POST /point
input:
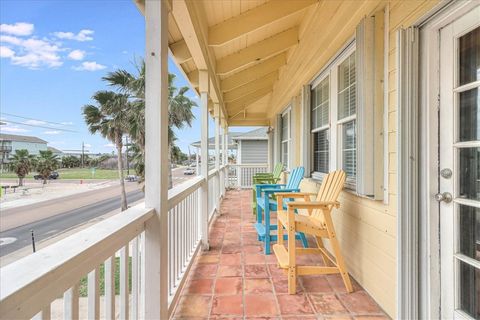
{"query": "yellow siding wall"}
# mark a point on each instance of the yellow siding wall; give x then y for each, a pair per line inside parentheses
(366, 228)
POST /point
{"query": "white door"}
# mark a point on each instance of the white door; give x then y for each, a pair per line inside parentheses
(459, 171)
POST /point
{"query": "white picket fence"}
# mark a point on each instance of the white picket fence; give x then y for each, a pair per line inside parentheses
(241, 175)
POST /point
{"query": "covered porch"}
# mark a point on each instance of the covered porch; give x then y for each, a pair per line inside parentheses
(322, 77)
(236, 280)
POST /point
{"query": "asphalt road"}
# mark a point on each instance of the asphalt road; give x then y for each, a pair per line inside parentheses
(51, 226)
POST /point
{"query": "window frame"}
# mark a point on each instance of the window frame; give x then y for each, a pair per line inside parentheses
(334, 125)
(286, 112)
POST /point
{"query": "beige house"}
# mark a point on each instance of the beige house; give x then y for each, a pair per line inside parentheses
(385, 90)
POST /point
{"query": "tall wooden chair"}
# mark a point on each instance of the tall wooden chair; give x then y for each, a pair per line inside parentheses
(265, 178)
(318, 223)
(267, 203)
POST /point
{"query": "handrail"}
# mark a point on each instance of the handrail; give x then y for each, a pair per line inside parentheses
(212, 172)
(249, 165)
(35, 281)
(180, 192)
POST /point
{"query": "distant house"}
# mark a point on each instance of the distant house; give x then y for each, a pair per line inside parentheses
(252, 147)
(9, 143)
(56, 152)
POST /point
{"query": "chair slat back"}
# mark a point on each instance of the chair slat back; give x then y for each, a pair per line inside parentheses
(277, 171)
(295, 178)
(330, 189)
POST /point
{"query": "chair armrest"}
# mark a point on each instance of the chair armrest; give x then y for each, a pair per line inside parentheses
(294, 194)
(265, 180)
(266, 186)
(312, 204)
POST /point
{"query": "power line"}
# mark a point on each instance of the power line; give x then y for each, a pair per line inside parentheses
(26, 118)
(39, 126)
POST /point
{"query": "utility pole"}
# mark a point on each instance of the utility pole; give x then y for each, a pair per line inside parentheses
(83, 154)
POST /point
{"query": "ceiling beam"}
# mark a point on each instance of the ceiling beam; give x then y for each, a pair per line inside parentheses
(193, 77)
(250, 74)
(239, 92)
(191, 22)
(246, 100)
(254, 19)
(253, 119)
(258, 51)
(180, 51)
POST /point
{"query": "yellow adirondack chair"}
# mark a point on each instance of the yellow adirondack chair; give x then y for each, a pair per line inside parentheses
(317, 223)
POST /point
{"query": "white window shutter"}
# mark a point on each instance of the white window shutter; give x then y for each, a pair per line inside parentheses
(305, 142)
(370, 67)
(277, 139)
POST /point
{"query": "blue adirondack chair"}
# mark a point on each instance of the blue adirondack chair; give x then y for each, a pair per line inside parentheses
(266, 203)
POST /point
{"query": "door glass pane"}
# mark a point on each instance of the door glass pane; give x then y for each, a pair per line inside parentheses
(469, 173)
(469, 104)
(469, 232)
(469, 47)
(469, 289)
(320, 156)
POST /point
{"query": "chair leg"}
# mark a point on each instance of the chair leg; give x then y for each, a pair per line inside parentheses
(292, 280)
(341, 264)
(279, 232)
(303, 238)
(254, 200)
(267, 230)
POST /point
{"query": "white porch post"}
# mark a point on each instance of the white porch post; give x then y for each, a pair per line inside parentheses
(203, 201)
(225, 153)
(222, 147)
(155, 259)
(217, 156)
(197, 156)
(269, 151)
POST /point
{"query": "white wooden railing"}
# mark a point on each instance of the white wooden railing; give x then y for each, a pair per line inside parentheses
(240, 175)
(30, 285)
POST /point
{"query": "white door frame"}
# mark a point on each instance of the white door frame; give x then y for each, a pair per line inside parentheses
(430, 285)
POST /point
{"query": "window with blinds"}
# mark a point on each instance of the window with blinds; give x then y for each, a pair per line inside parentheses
(347, 108)
(320, 108)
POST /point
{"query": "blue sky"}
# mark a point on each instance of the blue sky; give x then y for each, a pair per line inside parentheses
(52, 57)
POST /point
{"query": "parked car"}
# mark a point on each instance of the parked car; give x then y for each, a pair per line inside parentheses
(131, 178)
(53, 176)
(189, 171)
(193, 165)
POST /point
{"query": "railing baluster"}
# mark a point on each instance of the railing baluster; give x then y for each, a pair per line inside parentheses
(124, 294)
(94, 294)
(135, 270)
(70, 303)
(110, 288)
(45, 314)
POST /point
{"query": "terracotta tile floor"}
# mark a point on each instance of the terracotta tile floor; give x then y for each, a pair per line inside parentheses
(235, 280)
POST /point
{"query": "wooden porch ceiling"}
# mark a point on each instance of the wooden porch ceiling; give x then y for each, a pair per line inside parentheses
(242, 43)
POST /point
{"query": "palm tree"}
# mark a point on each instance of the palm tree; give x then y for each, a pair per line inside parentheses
(179, 106)
(109, 117)
(22, 163)
(46, 163)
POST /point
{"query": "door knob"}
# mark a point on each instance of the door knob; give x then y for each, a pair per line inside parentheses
(445, 197)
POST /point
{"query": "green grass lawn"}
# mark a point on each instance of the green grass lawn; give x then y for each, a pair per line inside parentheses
(76, 173)
(83, 287)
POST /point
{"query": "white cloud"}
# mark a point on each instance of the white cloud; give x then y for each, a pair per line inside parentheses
(52, 132)
(77, 55)
(125, 52)
(67, 123)
(10, 39)
(32, 53)
(87, 145)
(109, 145)
(35, 122)
(6, 52)
(89, 66)
(12, 129)
(17, 29)
(83, 35)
